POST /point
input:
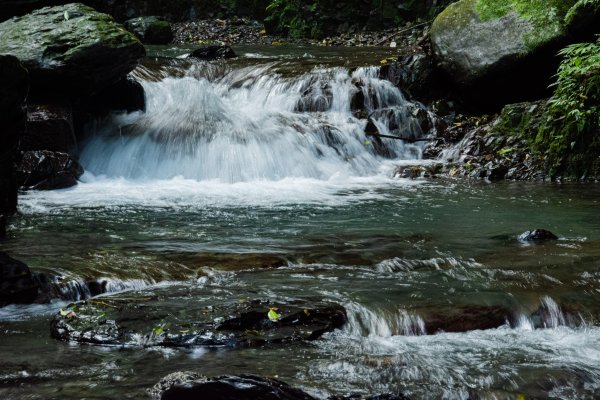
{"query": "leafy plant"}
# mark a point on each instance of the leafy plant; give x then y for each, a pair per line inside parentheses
(569, 137)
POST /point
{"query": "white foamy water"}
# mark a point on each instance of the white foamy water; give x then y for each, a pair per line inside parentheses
(448, 365)
(190, 194)
(248, 137)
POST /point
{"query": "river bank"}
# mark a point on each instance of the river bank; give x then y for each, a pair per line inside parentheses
(243, 31)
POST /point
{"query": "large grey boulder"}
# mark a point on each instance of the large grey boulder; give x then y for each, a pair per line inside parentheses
(70, 48)
(499, 46)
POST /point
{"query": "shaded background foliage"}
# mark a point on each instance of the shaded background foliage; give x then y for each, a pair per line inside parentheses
(313, 18)
(569, 137)
(318, 18)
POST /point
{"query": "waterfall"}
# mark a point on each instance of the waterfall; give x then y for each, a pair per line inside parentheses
(252, 123)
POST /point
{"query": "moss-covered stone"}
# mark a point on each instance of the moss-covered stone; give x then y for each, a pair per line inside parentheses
(547, 17)
(71, 48)
(506, 45)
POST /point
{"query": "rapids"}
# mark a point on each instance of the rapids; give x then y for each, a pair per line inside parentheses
(253, 179)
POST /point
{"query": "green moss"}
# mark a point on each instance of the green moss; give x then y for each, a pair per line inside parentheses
(547, 17)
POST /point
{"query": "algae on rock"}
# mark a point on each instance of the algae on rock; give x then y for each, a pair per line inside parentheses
(71, 48)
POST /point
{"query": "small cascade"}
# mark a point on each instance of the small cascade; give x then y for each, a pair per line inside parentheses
(365, 322)
(253, 124)
(56, 287)
(549, 315)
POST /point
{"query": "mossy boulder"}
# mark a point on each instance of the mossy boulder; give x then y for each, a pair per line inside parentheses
(150, 30)
(71, 48)
(506, 49)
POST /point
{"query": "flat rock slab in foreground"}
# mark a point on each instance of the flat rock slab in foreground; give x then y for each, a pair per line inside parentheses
(71, 48)
(193, 386)
(139, 321)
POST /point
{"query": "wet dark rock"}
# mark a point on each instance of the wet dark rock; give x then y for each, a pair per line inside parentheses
(465, 318)
(14, 87)
(49, 127)
(417, 75)
(71, 49)
(242, 387)
(247, 323)
(387, 396)
(150, 29)
(125, 95)
(496, 172)
(97, 287)
(228, 261)
(173, 379)
(209, 53)
(17, 284)
(537, 235)
(357, 103)
(47, 170)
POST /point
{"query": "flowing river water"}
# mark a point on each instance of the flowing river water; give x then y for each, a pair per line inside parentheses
(252, 179)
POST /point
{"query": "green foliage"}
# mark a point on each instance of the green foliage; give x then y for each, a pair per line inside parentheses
(317, 18)
(569, 137)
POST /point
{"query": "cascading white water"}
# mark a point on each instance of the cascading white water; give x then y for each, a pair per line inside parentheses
(365, 322)
(253, 124)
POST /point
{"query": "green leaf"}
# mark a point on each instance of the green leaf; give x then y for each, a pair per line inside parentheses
(273, 315)
(158, 330)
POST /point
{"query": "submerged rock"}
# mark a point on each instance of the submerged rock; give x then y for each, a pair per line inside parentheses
(242, 387)
(72, 48)
(247, 323)
(465, 318)
(47, 170)
(209, 53)
(537, 235)
(150, 29)
(192, 385)
(17, 283)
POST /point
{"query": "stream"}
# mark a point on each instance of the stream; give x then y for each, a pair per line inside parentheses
(253, 179)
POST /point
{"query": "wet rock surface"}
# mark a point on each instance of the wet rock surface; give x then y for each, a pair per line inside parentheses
(242, 387)
(537, 235)
(192, 385)
(125, 95)
(49, 127)
(491, 148)
(213, 53)
(14, 87)
(48, 170)
(145, 322)
(465, 318)
(72, 49)
(150, 29)
(17, 283)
